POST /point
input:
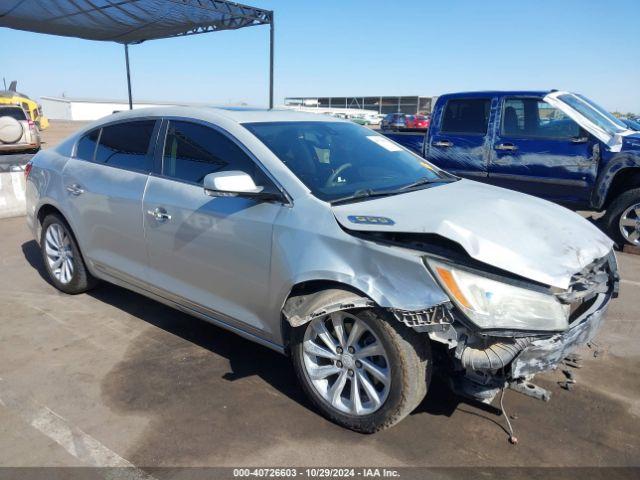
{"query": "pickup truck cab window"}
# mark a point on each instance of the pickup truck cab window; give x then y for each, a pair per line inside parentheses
(469, 116)
(458, 136)
(533, 117)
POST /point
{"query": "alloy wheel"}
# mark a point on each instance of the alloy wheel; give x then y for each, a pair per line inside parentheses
(347, 363)
(630, 224)
(59, 253)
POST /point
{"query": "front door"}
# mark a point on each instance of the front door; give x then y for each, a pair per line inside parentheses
(104, 183)
(459, 138)
(211, 254)
(541, 151)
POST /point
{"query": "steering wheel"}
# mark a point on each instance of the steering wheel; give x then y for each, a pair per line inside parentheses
(331, 181)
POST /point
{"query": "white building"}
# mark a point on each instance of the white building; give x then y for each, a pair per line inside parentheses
(63, 108)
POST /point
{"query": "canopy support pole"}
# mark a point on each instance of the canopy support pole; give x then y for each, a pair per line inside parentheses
(271, 63)
(126, 56)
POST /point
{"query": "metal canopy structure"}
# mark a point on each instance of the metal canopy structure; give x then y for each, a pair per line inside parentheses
(134, 21)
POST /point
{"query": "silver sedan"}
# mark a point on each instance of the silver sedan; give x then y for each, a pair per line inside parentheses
(328, 242)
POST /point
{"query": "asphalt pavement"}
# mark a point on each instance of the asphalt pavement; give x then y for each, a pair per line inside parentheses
(113, 378)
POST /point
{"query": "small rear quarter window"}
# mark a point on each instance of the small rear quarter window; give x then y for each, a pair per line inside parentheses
(87, 146)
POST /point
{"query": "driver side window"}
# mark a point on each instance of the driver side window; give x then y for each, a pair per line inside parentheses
(192, 151)
(533, 117)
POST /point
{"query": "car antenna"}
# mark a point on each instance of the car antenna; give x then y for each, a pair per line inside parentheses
(513, 440)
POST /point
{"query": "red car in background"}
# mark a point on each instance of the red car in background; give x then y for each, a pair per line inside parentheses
(417, 122)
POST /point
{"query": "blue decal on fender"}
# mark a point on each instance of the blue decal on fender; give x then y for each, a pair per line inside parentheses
(369, 220)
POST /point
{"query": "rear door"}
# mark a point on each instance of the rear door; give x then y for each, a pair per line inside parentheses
(104, 182)
(539, 150)
(210, 253)
(458, 141)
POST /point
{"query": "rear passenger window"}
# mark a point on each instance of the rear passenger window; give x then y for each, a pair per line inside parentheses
(126, 145)
(87, 146)
(466, 116)
(193, 151)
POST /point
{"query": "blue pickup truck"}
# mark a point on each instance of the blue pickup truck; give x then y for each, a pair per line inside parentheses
(552, 144)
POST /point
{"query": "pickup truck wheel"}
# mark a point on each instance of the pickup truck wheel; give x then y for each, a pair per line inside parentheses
(62, 257)
(622, 220)
(362, 371)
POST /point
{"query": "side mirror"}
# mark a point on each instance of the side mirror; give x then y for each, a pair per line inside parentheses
(234, 183)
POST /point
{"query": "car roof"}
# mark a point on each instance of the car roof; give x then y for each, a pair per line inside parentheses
(237, 115)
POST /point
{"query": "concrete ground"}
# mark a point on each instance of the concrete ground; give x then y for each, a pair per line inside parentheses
(113, 378)
(59, 130)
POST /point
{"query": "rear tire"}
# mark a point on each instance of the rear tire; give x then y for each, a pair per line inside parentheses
(618, 221)
(396, 351)
(62, 258)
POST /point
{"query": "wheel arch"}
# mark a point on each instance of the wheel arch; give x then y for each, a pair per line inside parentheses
(621, 173)
(45, 209)
(48, 208)
(625, 179)
(312, 298)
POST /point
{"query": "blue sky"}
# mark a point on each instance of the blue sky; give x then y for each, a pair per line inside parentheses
(357, 47)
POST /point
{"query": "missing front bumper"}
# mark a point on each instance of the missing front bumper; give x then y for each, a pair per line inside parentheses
(546, 354)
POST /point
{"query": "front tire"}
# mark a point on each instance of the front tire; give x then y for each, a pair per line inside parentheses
(360, 369)
(622, 220)
(62, 258)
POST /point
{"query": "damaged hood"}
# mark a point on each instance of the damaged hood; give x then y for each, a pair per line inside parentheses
(512, 231)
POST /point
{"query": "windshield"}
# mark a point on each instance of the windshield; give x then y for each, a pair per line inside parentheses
(633, 124)
(337, 160)
(596, 114)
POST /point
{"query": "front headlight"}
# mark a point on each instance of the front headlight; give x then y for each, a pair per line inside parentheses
(493, 304)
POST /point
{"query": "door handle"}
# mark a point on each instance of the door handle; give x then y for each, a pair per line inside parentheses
(160, 214)
(579, 140)
(442, 143)
(75, 189)
(510, 147)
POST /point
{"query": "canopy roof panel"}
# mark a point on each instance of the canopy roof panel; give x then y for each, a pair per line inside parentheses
(128, 21)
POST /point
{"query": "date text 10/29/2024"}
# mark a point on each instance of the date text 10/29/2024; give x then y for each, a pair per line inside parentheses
(318, 472)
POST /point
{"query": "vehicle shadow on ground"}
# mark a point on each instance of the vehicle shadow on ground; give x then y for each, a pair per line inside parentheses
(245, 358)
(33, 256)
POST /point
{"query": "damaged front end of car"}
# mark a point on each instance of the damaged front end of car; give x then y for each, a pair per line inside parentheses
(500, 331)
